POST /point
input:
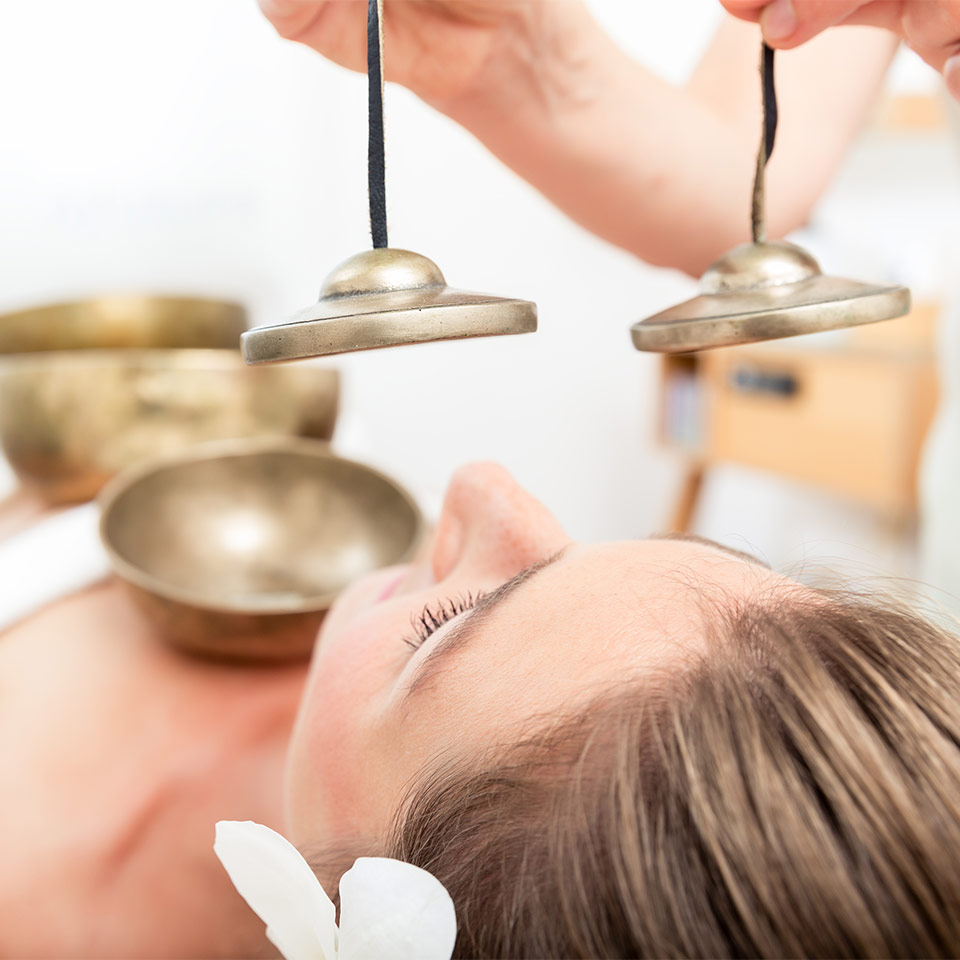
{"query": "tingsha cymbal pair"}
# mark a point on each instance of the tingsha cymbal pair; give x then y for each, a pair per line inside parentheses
(763, 290)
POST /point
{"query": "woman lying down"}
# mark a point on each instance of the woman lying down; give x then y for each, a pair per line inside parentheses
(650, 748)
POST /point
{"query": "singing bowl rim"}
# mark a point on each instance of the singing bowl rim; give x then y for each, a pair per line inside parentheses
(227, 449)
(164, 359)
(168, 361)
(225, 321)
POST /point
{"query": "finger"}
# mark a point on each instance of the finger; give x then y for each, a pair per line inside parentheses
(290, 18)
(932, 30)
(788, 23)
(745, 9)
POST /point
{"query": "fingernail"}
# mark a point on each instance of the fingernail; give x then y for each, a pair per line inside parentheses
(778, 20)
(951, 73)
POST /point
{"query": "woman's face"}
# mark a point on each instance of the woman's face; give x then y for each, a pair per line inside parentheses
(409, 667)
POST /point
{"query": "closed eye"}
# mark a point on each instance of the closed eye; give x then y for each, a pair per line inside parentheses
(434, 615)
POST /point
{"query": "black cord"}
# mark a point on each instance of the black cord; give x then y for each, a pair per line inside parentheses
(770, 116)
(376, 166)
(758, 227)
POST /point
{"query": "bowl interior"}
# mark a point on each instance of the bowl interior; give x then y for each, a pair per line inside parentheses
(270, 531)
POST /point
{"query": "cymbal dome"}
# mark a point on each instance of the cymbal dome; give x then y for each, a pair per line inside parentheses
(751, 266)
(381, 271)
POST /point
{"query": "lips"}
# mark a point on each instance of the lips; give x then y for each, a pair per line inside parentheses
(391, 587)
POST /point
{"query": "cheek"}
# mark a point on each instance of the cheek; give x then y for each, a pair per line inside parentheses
(336, 773)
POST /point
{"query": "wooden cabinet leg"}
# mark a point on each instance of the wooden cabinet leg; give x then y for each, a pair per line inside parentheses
(685, 506)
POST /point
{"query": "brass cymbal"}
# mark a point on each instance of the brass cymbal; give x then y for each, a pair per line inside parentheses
(765, 291)
(386, 297)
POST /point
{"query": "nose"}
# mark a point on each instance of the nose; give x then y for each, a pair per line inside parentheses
(491, 527)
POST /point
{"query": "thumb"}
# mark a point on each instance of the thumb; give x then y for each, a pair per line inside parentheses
(788, 23)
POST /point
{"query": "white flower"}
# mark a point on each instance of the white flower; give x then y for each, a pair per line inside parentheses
(388, 909)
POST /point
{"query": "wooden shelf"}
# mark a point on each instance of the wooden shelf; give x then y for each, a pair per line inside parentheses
(850, 417)
(910, 113)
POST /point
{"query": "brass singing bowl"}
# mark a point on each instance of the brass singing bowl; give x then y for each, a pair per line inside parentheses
(87, 389)
(122, 323)
(237, 550)
(71, 421)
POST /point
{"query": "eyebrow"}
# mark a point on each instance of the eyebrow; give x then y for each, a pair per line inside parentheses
(465, 630)
(723, 548)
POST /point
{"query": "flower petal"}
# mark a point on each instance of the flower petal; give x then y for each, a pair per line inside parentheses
(281, 889)
(393, 909)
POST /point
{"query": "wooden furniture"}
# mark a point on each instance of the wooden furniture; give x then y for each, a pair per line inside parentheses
(847, 413)
(910, 114)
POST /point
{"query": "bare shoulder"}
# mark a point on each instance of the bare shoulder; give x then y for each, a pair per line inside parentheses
(117, 755)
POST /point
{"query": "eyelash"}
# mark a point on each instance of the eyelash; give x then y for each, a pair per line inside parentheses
(434, 615)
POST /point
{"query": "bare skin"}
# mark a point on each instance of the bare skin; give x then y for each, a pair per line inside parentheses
(376, 711)
(662, 171)
(119, 755)
(930, 27)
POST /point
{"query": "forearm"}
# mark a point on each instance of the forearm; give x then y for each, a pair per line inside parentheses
(625, 154)
(662, 171)
(659, 170)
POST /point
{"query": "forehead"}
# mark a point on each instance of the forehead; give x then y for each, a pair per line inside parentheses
(598, 616)
(623, 599)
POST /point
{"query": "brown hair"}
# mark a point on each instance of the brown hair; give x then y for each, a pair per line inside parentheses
(794, 792)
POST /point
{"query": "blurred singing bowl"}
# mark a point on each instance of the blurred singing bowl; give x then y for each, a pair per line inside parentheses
(237, 550)
(70, 421)
(122, 323)
(89, 388)
(53, 409)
